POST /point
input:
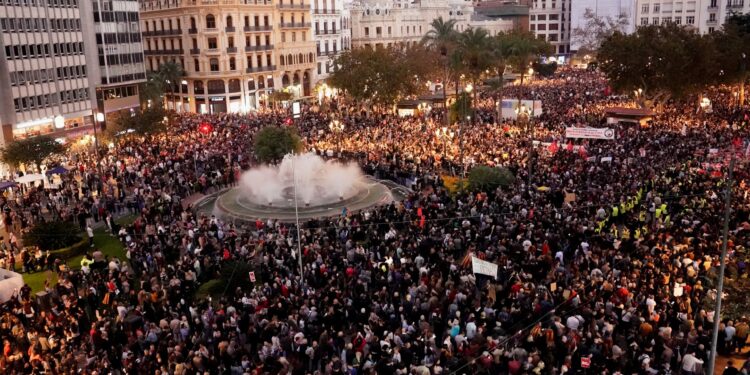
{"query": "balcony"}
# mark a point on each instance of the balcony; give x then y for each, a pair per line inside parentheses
(231, 49)
(326, 11)
(192, 31)
(295, 25)
(259, 48)
(248, 29)
(258, 69)
(195, 51)
(328, 53)
(163, 52)
(229, 29)
(212, 51)
(293, 6)
(735, 4)
(327, 32)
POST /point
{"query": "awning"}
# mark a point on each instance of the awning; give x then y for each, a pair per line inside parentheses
(57, 170)
(7, 184)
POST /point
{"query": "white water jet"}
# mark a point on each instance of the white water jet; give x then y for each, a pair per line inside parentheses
(319, 182)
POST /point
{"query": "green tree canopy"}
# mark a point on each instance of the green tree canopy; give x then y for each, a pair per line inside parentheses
(521, 48)
(474, 51)
(461, 108)
(52, 235)
(272, 143)
(384, 75)
(483, 177)
(161, 81)
(31, 151)
(668, 60)
(144, 122)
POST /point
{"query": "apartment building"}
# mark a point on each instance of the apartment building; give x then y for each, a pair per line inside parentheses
(550, 20)
(376, 23)
(114, 29)
(332, 33)
(234, 52)
(704, 15)
(44, 75)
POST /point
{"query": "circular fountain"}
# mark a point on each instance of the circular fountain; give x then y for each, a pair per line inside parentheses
(323, 188)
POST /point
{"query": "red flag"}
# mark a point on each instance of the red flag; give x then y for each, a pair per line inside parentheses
(421, 221)
(582, 151)
(737, 142)
(553, 147)
(569, 147)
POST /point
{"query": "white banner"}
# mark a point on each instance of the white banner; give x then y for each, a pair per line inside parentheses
(483, 267)
(508, 107)
(590, 133)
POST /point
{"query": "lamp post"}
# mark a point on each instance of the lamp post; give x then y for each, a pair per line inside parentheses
(468, 89)
(444, 135)
(526, 113)
(337, 127)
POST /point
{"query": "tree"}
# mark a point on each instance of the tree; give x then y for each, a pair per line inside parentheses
(279, 96)
(664, 61)
(52, 235)
(383, 75)
(521, 48)
(272, 143)
(147, 121)
(733, 50)
(483, 177)
(461, 108)
(596, 29)
(31, 150)
(163, 80)
(545, 69)
(442, 38)
(474, 52)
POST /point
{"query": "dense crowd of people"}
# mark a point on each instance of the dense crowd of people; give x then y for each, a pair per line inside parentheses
(607, 250)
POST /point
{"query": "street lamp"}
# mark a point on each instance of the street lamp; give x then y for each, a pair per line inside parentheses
(526, 112)
(337, 127)
(444, 135)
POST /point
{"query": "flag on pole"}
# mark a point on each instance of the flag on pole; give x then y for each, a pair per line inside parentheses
(553, 147)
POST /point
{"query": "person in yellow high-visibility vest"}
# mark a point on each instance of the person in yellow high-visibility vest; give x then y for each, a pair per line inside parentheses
(657, 214)
(642, 216)
(625, 233)
(637, 234)
(615, 211)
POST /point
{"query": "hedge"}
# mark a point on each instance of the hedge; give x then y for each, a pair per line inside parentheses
(71, 251)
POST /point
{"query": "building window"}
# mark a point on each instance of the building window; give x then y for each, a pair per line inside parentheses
(232, 64)
(712, 17)
(678, 20)
(644, 8)
(197, 65)
(212, 44)
(657, 8)
(214, 65)
(711, 29)
(367, 31)
(229, 21)
(319, 71)
(192, 23)
(644, 21)
(210, 21)
(655, 21)
(690, 20)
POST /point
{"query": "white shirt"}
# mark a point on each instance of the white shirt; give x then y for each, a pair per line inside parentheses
(689, 361)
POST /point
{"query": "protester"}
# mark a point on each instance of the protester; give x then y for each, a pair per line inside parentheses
(601, 265)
